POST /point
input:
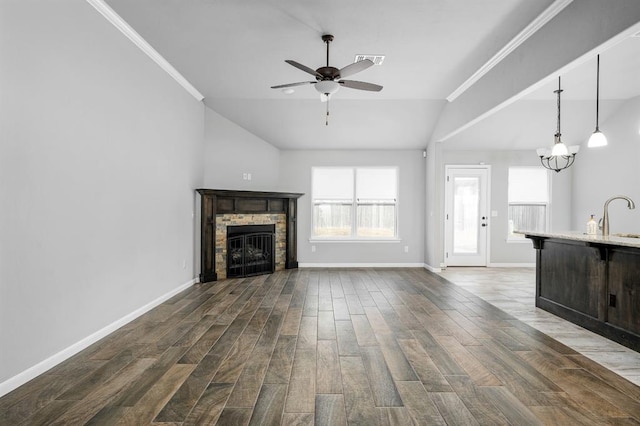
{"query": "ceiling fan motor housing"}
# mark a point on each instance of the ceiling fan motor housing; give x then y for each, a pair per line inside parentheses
(328, 73)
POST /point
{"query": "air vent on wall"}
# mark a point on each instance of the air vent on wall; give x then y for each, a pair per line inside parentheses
(376, 59)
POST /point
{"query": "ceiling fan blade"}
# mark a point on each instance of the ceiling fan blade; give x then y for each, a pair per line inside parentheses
(355, 67)
(303, 68)
(302, 83)
(360, 85)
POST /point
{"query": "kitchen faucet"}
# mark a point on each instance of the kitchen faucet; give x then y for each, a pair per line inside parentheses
(605, 217)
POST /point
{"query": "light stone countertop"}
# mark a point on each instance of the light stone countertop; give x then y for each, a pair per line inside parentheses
(580, 236)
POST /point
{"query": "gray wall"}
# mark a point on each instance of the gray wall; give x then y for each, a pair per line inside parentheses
(502, 251)
(231, 151)
(603, 172)
(295, 176)
(100, 152)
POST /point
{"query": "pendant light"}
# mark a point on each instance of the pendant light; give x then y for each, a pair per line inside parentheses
(560, 156)
(597, 138)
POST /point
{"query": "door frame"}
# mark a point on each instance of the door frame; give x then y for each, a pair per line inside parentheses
(446, 238)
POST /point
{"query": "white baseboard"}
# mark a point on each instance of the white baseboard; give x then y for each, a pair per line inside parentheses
(43, 366)
(431, 268)
(511, 265)
(360, 265)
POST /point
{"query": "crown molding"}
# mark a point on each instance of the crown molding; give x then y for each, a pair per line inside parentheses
(126, 29)
(548, 14)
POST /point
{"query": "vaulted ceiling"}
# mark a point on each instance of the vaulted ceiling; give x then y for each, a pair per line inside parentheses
(233, 51)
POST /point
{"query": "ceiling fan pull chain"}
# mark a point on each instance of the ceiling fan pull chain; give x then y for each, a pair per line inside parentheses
(326, 123)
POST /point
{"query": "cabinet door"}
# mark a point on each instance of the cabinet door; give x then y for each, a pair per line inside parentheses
(624, 289)
(572, 275)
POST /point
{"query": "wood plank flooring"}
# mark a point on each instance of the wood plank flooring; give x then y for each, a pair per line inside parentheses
(326, 347)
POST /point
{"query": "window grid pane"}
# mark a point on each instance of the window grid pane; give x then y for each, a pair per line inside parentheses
(376, 220)
(332, 220)
(527, 217)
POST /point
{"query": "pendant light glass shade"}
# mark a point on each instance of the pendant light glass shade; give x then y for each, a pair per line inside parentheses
(597, 138)
(559, 148)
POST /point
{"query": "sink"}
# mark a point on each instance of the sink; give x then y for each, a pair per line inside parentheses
(627, 235)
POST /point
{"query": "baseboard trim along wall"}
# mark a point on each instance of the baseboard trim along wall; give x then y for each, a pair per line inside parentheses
(511, 265)
(431, 268)
(360, 265)
(32, 372)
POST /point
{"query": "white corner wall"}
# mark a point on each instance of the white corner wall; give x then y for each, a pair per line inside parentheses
(100, 154)
(295, 176)
(600, 173)
(231, 152)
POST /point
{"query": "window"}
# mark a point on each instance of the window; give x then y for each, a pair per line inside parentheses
(528, 200)
(356, 203)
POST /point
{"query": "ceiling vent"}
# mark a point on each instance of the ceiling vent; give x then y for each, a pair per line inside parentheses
(376, 59)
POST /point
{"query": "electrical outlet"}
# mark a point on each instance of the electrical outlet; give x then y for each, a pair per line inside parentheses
(406, 249)
(248, 176)
(184, 263)
(313, 249)
(244, 176)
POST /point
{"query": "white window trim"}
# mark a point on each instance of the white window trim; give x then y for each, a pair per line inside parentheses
(353, 238)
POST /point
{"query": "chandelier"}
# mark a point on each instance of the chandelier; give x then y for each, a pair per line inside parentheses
(559, 157)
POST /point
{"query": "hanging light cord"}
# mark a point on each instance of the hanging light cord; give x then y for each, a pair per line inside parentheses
(558, 92)
(597, 93)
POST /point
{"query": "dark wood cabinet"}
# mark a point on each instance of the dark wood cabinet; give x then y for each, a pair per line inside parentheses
(595, 284)
(580, 269)
(623, 307)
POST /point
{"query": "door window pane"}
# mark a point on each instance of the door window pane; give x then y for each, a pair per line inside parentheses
(466, 205)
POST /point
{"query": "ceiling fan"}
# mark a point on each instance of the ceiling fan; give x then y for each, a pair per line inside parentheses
(329, 79)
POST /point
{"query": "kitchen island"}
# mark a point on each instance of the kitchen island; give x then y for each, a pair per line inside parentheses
(592, 281)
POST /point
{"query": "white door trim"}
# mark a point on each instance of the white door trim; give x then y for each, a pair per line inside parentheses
(447, 200)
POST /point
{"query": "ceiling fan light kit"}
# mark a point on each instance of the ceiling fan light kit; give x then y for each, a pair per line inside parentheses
(329, 79)
(327, 87)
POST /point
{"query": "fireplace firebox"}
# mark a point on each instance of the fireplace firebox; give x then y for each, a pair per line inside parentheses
(250, 250)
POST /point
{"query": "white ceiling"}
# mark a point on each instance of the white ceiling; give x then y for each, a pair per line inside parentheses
(233, 51)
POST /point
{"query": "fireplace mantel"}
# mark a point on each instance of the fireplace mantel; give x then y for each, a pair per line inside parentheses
(221, 201)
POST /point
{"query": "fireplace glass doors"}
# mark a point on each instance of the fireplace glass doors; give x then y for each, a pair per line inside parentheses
(250, 250)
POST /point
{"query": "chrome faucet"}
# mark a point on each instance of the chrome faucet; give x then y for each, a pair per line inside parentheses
(605, 217)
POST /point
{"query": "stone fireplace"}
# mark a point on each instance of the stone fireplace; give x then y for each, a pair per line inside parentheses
(221, 209)
(225, 222)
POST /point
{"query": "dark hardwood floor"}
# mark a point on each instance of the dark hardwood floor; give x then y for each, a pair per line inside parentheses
(330, 347)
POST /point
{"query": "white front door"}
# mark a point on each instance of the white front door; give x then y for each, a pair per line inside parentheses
(466, 215)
